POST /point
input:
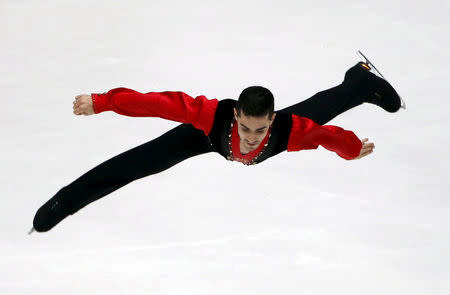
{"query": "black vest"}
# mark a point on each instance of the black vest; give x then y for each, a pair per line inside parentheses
(220, 133)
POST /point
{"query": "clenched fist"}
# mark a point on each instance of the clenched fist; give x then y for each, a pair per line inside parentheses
(82, 105)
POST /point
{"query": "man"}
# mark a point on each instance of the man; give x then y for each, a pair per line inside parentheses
(247, 130)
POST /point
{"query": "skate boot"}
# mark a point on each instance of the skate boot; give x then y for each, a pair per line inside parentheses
(49, 215)
(372, 88)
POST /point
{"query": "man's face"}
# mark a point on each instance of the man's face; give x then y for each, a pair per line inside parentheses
(252, 130)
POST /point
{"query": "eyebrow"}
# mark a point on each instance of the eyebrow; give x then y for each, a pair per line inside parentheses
(256, 129)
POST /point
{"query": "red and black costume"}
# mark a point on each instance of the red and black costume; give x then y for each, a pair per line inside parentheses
(215, 118)
(207, 126)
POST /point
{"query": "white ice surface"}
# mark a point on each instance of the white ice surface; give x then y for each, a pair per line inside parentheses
(299, 223)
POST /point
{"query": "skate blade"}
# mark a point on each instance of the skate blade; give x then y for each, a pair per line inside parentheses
(403, 104)
(369, 64)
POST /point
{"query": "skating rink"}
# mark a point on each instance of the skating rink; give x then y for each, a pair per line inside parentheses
(307, 222)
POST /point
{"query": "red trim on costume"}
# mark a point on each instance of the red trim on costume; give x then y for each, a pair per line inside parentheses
(171, 105)
(307, 134)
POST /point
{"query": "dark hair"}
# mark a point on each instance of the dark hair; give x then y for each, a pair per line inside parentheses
(255, 101)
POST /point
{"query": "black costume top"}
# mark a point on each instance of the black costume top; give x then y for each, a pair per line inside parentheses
(221, 131)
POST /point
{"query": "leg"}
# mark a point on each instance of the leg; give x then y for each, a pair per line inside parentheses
(325, 105)
(155, 156)
(359, 86)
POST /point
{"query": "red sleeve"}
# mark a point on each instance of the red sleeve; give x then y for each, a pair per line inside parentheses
(171, 105)
(307, 134)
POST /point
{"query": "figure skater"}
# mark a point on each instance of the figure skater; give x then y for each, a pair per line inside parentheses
(247, 130)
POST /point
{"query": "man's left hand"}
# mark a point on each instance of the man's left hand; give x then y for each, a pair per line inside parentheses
(367, 148)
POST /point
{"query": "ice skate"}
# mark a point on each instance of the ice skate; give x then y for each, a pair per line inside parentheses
(373, 88)
(370, 64)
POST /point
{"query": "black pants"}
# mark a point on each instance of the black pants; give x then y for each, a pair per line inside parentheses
(161, 153)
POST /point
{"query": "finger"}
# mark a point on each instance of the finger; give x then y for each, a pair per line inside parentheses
(364, 140)
(366, 153)
(368, 145)
(78, 111)
(368, 150)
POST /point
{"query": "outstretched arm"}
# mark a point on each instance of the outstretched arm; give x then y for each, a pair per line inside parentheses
(307, 134)
(171, 105)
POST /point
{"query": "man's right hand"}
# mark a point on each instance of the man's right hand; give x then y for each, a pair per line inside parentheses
(82, 105)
